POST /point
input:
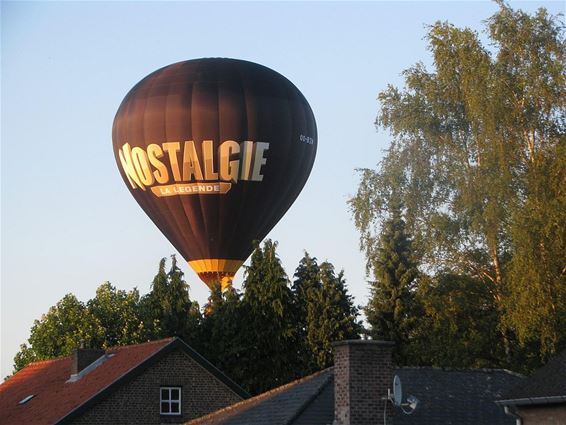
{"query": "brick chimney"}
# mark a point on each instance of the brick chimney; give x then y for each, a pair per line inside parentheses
(363, 373)
(82, 357)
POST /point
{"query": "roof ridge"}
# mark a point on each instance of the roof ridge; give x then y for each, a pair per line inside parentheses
(262, 396)
(463, 369)
(39, 362)
(115, 347)
(313, 396)
(155, 341)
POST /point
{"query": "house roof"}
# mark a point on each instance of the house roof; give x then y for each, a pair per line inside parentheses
(456, 396)
(463, 397)
(546, 385)
(57, 401)
(279, 406)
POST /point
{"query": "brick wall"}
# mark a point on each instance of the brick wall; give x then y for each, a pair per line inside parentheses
(543, 415)
(137, 401)
(363, 372)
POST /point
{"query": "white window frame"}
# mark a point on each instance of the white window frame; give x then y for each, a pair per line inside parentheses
(170, 401)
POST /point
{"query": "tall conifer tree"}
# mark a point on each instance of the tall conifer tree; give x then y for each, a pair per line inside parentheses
(268, 322)
(306, 283)
(391, 305)
(223, 336)
(168, 306)
(331, 316)
(325, 312)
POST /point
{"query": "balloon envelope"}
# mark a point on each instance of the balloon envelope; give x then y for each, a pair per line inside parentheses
(215, 151)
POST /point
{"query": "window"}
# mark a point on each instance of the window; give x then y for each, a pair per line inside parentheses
(170, 401)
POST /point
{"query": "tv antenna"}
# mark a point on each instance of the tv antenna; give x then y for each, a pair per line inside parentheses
(407, 407)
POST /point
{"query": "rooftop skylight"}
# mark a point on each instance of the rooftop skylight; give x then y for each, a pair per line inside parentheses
(26, 399)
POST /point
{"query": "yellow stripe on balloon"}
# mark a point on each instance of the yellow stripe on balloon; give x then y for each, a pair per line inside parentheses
(211, 270)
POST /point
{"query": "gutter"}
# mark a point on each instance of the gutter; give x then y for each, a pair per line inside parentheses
(532, 401)
(512, 412)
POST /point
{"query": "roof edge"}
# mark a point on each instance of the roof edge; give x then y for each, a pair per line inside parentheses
(281, 388)
(532, 401)
(217, 373)
(308, 402)
(463, 369)
(363, 342)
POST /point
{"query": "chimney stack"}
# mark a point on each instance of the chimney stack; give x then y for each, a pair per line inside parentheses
(82, 357)
(363, 374)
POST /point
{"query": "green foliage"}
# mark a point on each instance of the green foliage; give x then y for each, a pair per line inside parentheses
(272, 333)
(391, 307)
(305, 286)
(477, 161)
(223, 337)
(168, 308)
(324, 312)
(116, 313)
(456, 327)
(65, 326)
(114, 317)
(307, 279)
(536, 302)
(264, 338)
(331, 316)
(267, 320)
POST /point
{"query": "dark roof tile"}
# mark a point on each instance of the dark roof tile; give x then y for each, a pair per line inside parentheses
(453, 396)
(447, 397)
(548, 381)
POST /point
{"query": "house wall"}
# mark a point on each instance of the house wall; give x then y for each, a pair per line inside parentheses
(137, 401)
(543, 415)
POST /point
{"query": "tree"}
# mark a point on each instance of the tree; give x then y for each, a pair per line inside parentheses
(472, 142)
(536, 302)
(390, 310)
(331, 316)
(111, 318)
(115, 317)
(324, 310)
(222, 337)
(268, 323)
(456, 325)
(167, 309)
(65, 326)
(307, 278)
(117, 313)
(305, 286)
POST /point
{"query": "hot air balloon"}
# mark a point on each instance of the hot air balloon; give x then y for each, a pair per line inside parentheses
(215, 151)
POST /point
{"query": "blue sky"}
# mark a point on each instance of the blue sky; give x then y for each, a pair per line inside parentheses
(68, 221)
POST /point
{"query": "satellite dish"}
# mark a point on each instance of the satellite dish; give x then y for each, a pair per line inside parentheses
(407, 407)
(397, 391)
